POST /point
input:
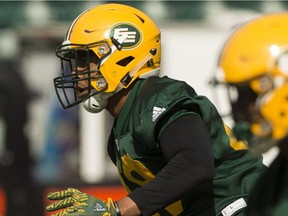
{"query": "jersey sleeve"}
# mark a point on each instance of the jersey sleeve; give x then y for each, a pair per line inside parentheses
(186, 146)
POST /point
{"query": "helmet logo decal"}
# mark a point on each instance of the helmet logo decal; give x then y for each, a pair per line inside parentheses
(131, 33)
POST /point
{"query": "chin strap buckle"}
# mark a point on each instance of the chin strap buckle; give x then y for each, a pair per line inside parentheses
(126, 79)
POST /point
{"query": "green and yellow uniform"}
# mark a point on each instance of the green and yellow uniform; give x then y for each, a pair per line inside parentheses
(134, 147)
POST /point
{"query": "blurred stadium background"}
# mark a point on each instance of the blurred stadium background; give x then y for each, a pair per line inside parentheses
(43, 147)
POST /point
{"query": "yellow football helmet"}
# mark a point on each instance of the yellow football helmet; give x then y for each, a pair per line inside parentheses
(253, 64)
(125, 41)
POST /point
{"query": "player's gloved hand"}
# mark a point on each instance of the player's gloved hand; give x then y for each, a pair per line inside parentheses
(76, 203)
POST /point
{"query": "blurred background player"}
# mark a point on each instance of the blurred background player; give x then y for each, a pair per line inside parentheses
(15, 159)
(174, 154)
(254, 66)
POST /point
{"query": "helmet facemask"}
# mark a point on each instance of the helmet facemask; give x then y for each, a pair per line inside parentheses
(78, 81)
(242, 100)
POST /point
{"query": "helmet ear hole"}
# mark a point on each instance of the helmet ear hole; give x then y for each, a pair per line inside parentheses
(124, 62)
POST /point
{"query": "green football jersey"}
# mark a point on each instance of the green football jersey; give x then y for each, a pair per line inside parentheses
(133, 146)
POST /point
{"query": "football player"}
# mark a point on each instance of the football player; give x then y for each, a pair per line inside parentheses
(174, 154)
(254, 67)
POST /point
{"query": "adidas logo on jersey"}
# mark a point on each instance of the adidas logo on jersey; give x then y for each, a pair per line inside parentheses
(157, 112)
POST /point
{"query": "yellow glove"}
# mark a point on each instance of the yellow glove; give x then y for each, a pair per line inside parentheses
(76, 203)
